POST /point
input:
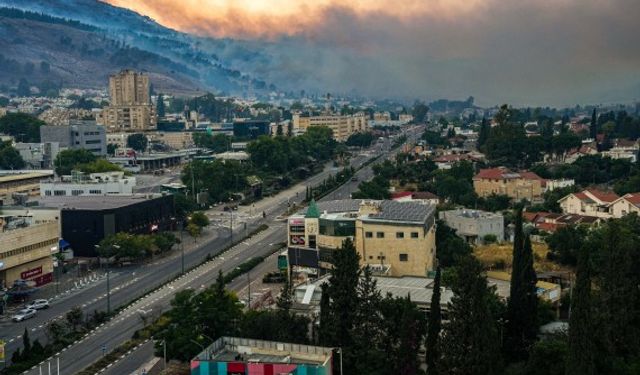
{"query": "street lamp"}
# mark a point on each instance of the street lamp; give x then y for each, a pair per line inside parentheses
(108, 279)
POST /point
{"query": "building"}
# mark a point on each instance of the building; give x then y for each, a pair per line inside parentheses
(419, 290)
(38, 155)
(78, 134)
(517, 185)
(422, 196)
(85, 221)
(342, 126)
(250, 129)
(21, 182)
(26, 250)
(80, 184)
(393, 238)
(130, 109)
(590, 202)
(626, 204)
(149, 162)
(550, 222)
(559, 184)
(241, 356)
(474, 225)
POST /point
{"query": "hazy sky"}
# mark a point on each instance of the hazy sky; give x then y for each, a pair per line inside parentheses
(534, 52)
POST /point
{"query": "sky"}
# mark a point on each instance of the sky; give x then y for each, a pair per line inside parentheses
(523, 52)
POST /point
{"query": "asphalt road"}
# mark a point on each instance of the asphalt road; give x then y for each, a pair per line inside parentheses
(129, 286)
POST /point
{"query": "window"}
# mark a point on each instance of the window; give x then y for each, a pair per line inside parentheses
(368, 234)
(399, 234)
(312, 242)
(59, 192)
(415, 235)
(76, 192)
(296, 228)
(379, 234)
(95, 192)
(47, 193)
(404, 257)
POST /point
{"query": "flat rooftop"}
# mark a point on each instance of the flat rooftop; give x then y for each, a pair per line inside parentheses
(235, 349)
(94, 202)
(24, 176)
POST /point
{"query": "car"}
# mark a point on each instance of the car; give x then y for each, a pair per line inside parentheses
(354, 178)
(24, 314)
(38, 304)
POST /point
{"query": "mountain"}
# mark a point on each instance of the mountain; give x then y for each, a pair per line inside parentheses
(83, 41)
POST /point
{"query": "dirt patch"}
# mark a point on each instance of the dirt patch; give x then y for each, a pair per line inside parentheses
(500, 257)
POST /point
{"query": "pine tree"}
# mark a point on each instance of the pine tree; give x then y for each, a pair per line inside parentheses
(290, 128)
(581, 359)
(367, 326)
(521, 325)
(593, 127)
(285, 299)
(470, 340)
(26, 344)
(337, 323)
(433, 328)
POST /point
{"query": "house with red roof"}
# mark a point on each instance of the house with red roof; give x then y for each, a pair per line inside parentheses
(517, 185)
(590, 202)
(624, 205)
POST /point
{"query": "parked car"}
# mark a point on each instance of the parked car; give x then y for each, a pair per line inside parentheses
(24, 314)
(37, 304)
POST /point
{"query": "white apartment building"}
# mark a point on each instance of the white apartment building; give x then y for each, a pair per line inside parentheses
(95, 184)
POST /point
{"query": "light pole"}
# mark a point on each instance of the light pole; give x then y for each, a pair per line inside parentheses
(340, 351)
(108, 280)
(180, 224)
(248, 288)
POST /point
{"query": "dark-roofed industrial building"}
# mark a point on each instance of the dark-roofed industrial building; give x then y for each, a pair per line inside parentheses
(85, 221)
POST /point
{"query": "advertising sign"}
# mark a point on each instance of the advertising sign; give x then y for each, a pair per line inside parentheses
(296, 221)
(2, 355)
(297, 240)
(31, 273)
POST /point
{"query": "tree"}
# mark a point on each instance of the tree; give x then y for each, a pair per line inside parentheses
(199, 218)
(470, 340)
(111, 149)
(23, 127)
(26, 344)
(367, 335)
(337, 322)
(279, 130)
(160, 111)
(483, 134)
(522, 307)
(419, 112)
(45, 68)
(582, 351)
(285, 299)
(74, 317)
(164, 241)
(593, 127)
(194, 230)
(23, 88)
(433, 328)
(68, 159)
(137, 142)
(450, 246)
(10, 157)
(566, 242)
(507, 143)
(98, 166)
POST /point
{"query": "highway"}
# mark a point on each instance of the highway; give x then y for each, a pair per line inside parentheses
(127, 286)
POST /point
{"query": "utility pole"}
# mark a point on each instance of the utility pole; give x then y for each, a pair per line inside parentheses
(231, 226)
(249, 290)
(181, 245)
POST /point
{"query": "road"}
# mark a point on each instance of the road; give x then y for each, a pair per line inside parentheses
(120, 328)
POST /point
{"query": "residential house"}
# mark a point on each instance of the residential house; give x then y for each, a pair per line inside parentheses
(474, 225)
(517, 185)
(624, 205)
(590, 202)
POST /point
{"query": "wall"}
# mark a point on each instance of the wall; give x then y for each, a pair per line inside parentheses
(421, 251)
(36, 244)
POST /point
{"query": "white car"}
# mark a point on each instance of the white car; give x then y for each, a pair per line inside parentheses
(24, 314)
(38, 304)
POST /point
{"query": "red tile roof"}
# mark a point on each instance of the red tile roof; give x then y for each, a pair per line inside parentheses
(603, 195)
(633, 198)
(401, 194)
(500, 173)
(547, 227)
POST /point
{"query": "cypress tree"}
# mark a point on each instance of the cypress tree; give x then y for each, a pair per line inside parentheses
(26, 344)
(522, 308)
(581, 359)
(470, 340)
(433, 328)
(483, 134)
(160, 111)
(593, 127)
(367, 331)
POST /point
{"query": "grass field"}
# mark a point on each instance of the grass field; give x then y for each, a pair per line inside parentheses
(499, 256)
